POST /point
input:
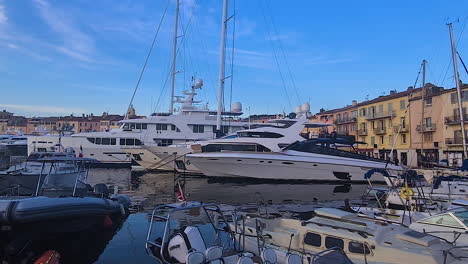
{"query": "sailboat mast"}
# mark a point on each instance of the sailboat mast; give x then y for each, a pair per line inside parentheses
(457, 80)
(221, 68)
(422, 105)
(174, 55)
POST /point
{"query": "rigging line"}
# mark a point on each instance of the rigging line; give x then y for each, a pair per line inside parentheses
(464, 66)
(293, 81)
(177, 53)
(276, 57)
(146, 60)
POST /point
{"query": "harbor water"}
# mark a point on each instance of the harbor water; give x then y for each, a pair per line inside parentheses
(147, 190)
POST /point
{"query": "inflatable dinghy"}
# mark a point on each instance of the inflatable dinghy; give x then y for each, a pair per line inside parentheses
(19, 210)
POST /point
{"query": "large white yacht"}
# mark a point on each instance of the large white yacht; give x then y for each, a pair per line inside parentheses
(190, 123)
(313, 159)
(263, 137)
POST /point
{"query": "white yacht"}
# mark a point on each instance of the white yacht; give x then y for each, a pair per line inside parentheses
(312, 159)
(190, 123)
(265, 137)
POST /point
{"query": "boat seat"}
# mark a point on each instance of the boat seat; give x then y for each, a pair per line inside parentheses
(269, 256)
(195, 257)
(293, 259)
(245, 260)
(214, 255)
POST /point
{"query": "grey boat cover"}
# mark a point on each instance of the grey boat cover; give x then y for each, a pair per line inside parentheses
(17, 210)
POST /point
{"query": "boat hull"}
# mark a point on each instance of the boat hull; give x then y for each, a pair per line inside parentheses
(283, 167)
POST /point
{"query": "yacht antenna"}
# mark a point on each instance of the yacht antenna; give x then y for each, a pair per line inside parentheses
(422, 106)
(221, 69)
(174, 55)
(457, 80)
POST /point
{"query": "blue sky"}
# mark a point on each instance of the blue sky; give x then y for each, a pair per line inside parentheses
(62, 57)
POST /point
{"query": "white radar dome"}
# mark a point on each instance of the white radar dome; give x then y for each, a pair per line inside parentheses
(298, 109)
(305, 107)
(236, 107)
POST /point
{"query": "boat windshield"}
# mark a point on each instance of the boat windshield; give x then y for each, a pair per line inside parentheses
(310, 146)
(462, 215)
(457, 218)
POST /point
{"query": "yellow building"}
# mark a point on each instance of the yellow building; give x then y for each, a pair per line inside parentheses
(384, 124)
(453, 147)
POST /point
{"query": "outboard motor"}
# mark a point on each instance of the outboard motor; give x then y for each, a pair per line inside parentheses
(183, 242)
(101, 190)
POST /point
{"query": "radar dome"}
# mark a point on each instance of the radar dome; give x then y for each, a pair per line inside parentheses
(298, 109)
(199, 83)
(305, 107)
(236, 107)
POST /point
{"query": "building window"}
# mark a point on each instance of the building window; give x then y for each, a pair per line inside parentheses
(363, 112)
(380, 108)
(354, 114)
(390, 107)
(403, 122)
(313, 239)
(428, 121)
(428, 101)
(403, 138)
(428, 137)
(382, 140)
(372, 140)
(198, 129)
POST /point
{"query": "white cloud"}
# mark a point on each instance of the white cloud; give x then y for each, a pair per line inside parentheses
(12, 46)
(48, 109)
(75, 43)
(3, 16)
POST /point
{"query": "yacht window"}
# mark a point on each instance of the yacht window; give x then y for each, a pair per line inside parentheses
(260, 134)
(126, 126)
(313, 239)
(91, 140)
(122, 141)
(138, 126)
(132, 125)
(198, 129)
(331, 242)
(98, 141)
(161, 126)
(173, 127)
(138, 142)
(113, 141)
(358, 248)
(105, 141)
(129, 141)
(144, 126)
(443, 220)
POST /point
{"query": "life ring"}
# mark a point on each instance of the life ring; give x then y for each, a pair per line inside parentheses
(406, 192)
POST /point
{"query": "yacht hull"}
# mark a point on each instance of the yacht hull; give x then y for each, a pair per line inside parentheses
(176, 156)
(283, 167)
(148, 160)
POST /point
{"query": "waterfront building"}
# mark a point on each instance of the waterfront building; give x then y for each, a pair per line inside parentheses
(344, 119)
(384, 124)
(453, 147)
(427, 130)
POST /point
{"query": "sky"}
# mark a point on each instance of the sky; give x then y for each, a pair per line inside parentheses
(84, 56)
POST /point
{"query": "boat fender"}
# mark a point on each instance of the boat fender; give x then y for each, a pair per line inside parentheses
(406, 192)
(107, 223)
(48, 257)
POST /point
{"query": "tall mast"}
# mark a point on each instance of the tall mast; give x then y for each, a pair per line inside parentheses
(457, 80)
(221, 68)
(174, 55)
(422, 105)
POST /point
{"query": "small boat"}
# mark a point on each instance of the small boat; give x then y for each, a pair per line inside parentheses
(363, 241)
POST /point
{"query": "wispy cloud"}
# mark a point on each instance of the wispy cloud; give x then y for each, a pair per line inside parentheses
(75, 43)
(3, 16)
(47, 109)
(326, 60)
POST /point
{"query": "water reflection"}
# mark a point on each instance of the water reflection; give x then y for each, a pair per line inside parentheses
(148, 190)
